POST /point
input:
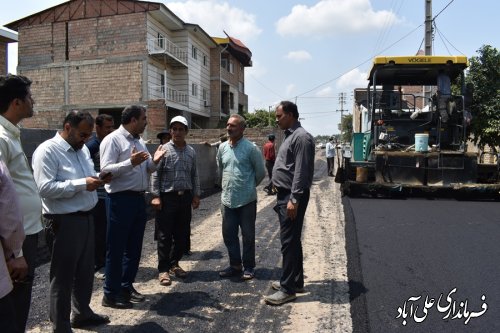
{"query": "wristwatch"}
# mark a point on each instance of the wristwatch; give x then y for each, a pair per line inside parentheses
(294, 201)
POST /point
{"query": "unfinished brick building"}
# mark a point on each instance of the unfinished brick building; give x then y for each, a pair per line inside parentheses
(6, 38)
(102, 55)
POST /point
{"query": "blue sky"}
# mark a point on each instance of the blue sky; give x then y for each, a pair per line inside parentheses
(310, 51)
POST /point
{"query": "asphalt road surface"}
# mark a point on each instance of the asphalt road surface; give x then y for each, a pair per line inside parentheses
(404, 254)
(203, 302)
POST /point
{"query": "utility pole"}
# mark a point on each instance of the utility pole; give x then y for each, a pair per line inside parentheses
(342, 101)
(428, 42)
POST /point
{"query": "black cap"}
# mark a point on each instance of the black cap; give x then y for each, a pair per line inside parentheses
(162, 132)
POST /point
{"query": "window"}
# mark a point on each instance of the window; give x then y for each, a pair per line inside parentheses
(205, 94)
(231, 100)
(194, 52)
(205, 61)
(160, 41)
(223, 63)
(231, 67)
(162, 83)
(194, 89)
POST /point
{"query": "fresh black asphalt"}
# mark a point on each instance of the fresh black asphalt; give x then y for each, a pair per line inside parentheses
(399, 249)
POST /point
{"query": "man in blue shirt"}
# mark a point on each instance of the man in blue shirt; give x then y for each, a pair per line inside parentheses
(241, 168)
(104, 125)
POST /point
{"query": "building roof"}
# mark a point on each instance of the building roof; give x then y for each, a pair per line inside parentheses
(7, 36)
(236, 48)
(196, 29)
(81, 9)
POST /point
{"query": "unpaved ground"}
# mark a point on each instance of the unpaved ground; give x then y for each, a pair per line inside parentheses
(205, 303)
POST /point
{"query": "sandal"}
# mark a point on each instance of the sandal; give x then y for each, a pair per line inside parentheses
(165, 279)
(230, 272)
(248, 274)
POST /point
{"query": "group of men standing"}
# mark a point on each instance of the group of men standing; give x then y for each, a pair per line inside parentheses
(86, 191)
(61, 192)
(242, 168)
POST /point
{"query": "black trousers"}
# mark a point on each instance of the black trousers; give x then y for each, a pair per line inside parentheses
(8, 321)
(173, 221)
(269, 167)
(292, 277)
(21, 294)
(71, 268)
(100, 227)
(331, 165)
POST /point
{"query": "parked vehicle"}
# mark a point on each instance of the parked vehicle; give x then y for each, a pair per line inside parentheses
(410, 148)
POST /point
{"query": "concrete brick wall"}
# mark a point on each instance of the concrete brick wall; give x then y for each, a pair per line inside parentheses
(36, 46)
(47, 120)
(157, 119)
(47, 87)
(122, 35)
(257, 135)
(107, 83)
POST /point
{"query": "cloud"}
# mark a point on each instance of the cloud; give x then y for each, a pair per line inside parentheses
(257, 70)
(325, 92)
(331, 18)
(299, 56)
(352, 79)
(217, 17)
(290, 89)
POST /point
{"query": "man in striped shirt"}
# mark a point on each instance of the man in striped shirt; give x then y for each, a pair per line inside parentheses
(175, 187)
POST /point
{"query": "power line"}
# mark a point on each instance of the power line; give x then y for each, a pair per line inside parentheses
(440, 36)
(262, 84)
(449, 3)
(383, 50)
(359, 65)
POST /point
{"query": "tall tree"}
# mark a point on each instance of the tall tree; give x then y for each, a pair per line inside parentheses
(345, 127)
(260, 118)
(484, 75)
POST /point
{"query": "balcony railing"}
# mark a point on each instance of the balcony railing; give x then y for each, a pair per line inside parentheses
(165, 46)
(172, 95)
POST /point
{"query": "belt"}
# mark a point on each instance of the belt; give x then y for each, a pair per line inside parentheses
(79, 213)
(131, 193)
(178, 193)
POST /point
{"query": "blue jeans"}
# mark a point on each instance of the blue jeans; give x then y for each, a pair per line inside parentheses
(127, 220)
(244, 218)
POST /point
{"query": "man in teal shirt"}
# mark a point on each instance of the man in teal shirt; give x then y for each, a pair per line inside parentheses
(241, 168)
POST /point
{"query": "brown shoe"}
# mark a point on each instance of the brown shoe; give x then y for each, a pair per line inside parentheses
(178, 272)
(164, 279)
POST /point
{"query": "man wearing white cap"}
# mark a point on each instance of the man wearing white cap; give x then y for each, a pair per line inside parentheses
(175, 187)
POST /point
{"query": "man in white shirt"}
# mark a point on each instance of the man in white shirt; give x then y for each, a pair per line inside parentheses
(124, 154)
(330, 156)
(16, 104)
(67, 181)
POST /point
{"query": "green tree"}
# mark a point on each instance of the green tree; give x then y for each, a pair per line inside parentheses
(345, 128)
(260, 118)
(484, 75)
